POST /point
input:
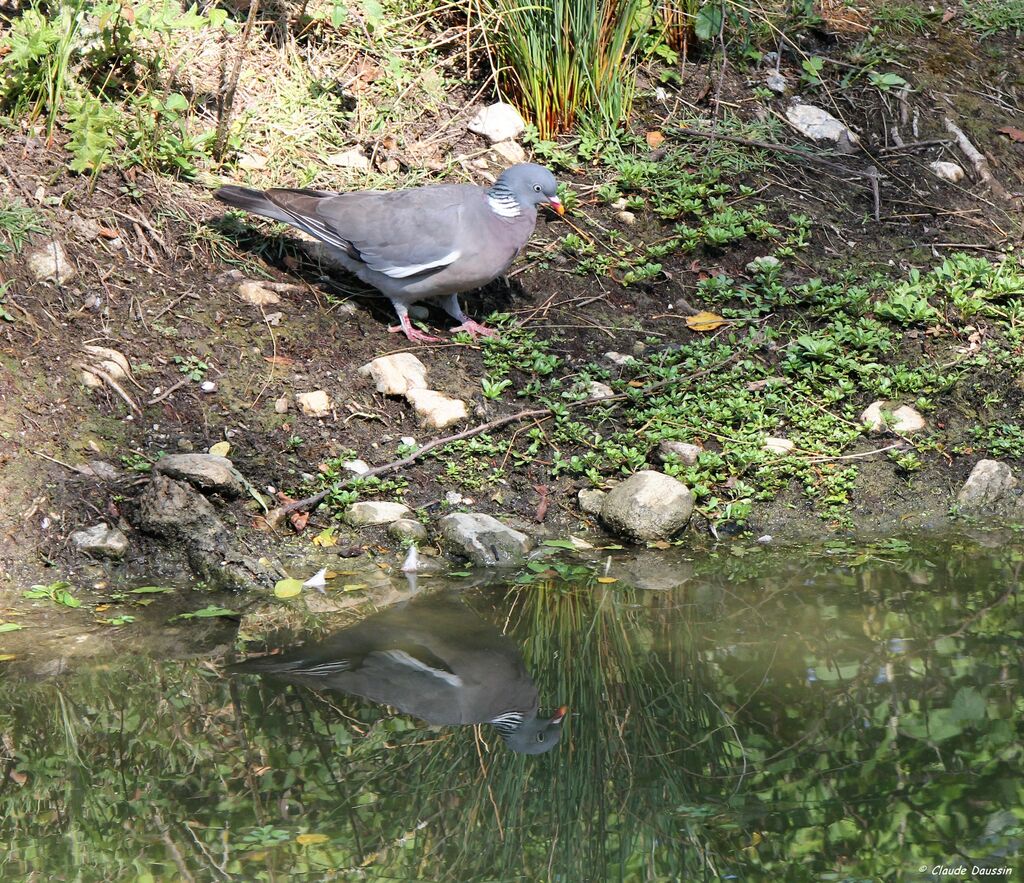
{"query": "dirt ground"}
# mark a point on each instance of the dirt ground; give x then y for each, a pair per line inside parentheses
(153, 286)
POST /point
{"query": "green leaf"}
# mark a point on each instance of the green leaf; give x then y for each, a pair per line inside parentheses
(968, 705)
(708, 23)
(10, 627)
(559, 544)
(149, 590)
(207, 612)
(287, 588)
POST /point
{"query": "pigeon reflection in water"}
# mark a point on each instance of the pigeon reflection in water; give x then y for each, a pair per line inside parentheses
(433, 658)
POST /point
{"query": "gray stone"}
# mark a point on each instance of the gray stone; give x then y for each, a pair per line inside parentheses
(989, 484)
(687, 454)
(818, 124)
(407, 529)
(776, 82)
(647, 506)
(590, 500)
(207, 472)
(367, 512)
(905, 420)
(484, 540)
(101, 541)
(598, 390)
(104, 471)
(49, 263)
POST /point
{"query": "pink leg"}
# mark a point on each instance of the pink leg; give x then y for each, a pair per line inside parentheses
(406, 326)
(473, 329)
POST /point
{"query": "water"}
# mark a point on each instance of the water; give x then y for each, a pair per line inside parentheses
(837, 713)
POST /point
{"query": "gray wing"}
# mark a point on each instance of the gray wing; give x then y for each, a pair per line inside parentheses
(400, 234)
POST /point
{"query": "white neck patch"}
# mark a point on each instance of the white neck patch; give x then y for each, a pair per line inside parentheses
(504, 206)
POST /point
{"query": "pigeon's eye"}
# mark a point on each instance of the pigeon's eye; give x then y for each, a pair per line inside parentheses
(540, 737)
(536, 187)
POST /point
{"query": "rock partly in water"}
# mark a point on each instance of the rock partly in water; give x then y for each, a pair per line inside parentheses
(435, 409)
(484, 540)
(989, 485)
(396, 374)
(101, 541)
(647, 506)
(207, 472)
(367, 512)
(498, 122)
(49, 263)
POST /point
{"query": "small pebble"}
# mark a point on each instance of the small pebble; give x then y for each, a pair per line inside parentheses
(208, 386)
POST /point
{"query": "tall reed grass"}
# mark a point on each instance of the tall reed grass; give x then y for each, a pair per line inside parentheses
(558, 60)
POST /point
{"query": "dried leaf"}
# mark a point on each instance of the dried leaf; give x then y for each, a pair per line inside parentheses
(311, 839)
(220, 449)
(948, 15)
(606, 580)
(283, 361)
(287, 588)
(1013, 133)
(326, 538)
(705, 321)
(7, 657)
(18, 777)
(654, 139)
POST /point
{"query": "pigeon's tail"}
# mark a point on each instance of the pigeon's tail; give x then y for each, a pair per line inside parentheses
(254, 201)
(285, 665)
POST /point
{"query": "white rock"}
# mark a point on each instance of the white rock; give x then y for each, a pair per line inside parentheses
(598, 390)
(407, 529)
(618, 358)
(660, 93)
(627, 218)
(818, 124)
(905, 420)
(314, 404)
(49, 263)
(779, 446)
(396, 374)
(373, 512)
(282, 404)
(208, 386)
(255, 293)
(510, 151)
(762, 263)
(435, 409)
(350, 159)
(776, 82)
(590, 500)
(453, 498)
(947, 171)
(359, 467)
(989, 482)
(619, 204)
(408, 441)
(687, 454)
(498, 122)
(484, 540)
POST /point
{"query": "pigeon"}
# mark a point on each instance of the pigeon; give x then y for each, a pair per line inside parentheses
(433, 658)
(423, 243)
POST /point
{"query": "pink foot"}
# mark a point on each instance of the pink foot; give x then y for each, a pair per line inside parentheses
(414, 333)
(475, 329)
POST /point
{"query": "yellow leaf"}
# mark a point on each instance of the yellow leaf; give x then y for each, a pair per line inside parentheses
(325, 538)
(353, 587)
(7, 657)
(704, 321)
(220, 449)
(607, 579)
(287, 588)
(654, 139)
(99, 608)
(310, 839)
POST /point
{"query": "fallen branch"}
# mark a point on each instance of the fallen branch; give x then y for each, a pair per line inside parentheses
(109, 381)
(977, 160)
(530, 414)
(171, 389)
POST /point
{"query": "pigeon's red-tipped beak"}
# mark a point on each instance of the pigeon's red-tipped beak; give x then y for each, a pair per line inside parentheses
(563, 711)
(556, 204)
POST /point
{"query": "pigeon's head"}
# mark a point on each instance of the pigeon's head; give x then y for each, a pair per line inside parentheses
(531, 184)
(537, 734)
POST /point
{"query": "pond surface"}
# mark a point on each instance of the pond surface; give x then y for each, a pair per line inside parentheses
(848, 712)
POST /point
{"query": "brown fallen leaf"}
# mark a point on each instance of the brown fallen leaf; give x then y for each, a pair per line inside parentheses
(705, 321)
(948, 15)
(283, 361)
(655, 139)
(1013, 133)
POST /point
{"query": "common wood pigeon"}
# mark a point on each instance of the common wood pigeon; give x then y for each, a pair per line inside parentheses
(433, 658)
(418, 244)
